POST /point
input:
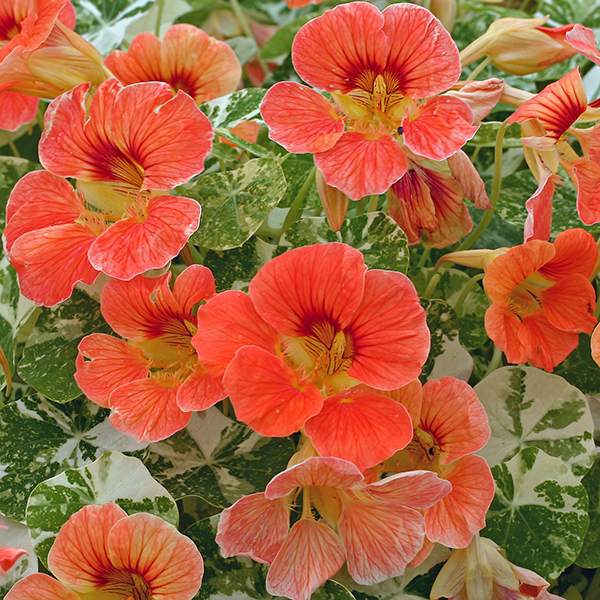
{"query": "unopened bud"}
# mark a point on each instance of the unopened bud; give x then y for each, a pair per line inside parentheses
(445, 11)
(335, 203)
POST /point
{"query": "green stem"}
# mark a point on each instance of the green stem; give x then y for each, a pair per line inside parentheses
(480, 67)
(424, 258)
(433, 282)
(373, 200)
(593, 591)
(243, 21)
(470, 240)
(495, 362)
(298, 203)
(161, 7)
(14, 149)
(468, 287)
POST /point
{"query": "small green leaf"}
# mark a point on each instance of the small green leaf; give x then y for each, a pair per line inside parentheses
(377, 236)
(39, 439)
(114, 477)
(229, 111)
(539, 515)
(281, 42)
(217, 459)
(235, 203)
(48, 361)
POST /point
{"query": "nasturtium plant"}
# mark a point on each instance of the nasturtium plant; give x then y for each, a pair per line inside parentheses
(298, 299)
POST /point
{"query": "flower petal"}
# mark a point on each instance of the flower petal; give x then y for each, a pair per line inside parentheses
(576, 253)
(267, 394)
(132, 246)
(310, 555)
(422, 53)
(332, 51)
(316, 471)
(569, 304)
(439, 128)
(139, 134)
(452, 413)
(538, 224)
(359, 166)
(254, 527)
(389, 332)
(200, 391)
(379, 541)
(147, 409)
(104, 363)
(481, 96)
(39, 200)
(411, 397)
(40, 586)
(587, 177)
(168, 561)
(467, 176)
(187, 59)
(225, 324)
(308, 287)
(458, 516)
(61, 249)
(503, 327)
(557, 106)
(361, 427)
(583, 40)
(79, 556)
(414, 489)
(17, 110)
(194, 284)
(300, 119)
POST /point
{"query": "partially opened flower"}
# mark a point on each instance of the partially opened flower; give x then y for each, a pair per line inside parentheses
(150, 378)
(482, 572)
(314, 325)
(375, 528)
(546, 118)
(40, 55)
(134, 142)
(429, 204)
(100, 552)
(451, 426)
(383, 71)
(541, 296)
(186, 58)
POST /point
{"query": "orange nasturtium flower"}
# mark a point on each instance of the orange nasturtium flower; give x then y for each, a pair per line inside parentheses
(482, 572)
(383, 71)
(186, 58)
(541, 296)
(314, 324)
(133, 143)
(100, 552)
(40, 56)
(450, 425)
(375, 528)
(151, 379)
(546, 118)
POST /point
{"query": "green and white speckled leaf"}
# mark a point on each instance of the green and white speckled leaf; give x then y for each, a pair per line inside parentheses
(39, 439)
(589, 556)
(229, 111)
(48, 361)
(15, 535)
(114, 477)
(376, 235)
(240, 578)
(217, 459)
(235, 203)
(487, 132)
(539, 514)
(105, 22)
(529, 407)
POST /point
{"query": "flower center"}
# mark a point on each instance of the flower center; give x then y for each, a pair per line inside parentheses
(526, 298)
(126, 585)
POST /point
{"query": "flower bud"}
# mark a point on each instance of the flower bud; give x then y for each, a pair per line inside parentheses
(335, 203)
(445, 11)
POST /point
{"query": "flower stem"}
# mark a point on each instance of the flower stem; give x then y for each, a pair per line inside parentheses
(298, 203)
(468, 287)
(424, 258)
(161, 7)
(14, 149)
(245, 25)
(470, 240)
(495, 362)
(480, 67)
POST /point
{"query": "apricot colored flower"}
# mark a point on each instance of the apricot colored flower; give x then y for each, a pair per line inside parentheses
(382, 71)
(546, 118)
(102, 552)
(482, 572)
(134, 142)
(9, 557)
(187, 58)
(450, 426)
(375, 528)
(17, 110)
(40, 54)
(314, 324)
(150, 378)
(541, 296)
(429, 204)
